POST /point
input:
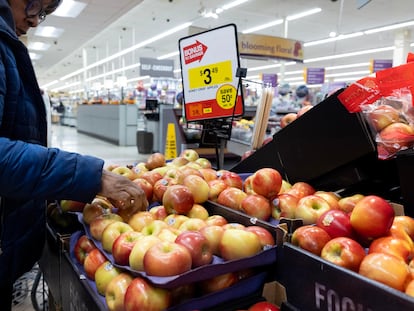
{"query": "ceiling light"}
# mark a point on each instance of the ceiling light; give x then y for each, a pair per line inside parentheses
(332, 34)
(303, 14)
(348, 66)
(332, 39)
(318, 59)
(69, 8)
(390, 27)
(48, 31)
(233, 4)
(172, 54)
(349, 73)
(38, 46)
(264, 26)
(34, 56)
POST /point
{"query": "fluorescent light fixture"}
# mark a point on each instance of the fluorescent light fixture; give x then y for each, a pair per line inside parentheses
(344, 55)
(138, 78)
(50, 84)
(48, 31)
(38, 46)
(348, 79)
(112, 72)
(34, 56)
(66, 86)
(69, 8)
(233, 4)
(350, 73)
(332, 39)
(264, 26)
(348, 66)
(303, 14)
(270, 66)
(390, 27)
(172, 54)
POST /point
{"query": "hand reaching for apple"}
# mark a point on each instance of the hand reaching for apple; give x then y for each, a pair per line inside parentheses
(123, 193)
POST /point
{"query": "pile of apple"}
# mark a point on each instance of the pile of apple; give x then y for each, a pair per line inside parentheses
(368, 239)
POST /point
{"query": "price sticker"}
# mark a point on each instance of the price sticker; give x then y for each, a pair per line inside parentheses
(210, 75)
(226, 96)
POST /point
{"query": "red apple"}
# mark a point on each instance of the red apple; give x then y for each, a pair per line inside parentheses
(198, 246)
(104, 274)
(337, 223)
(136, 257)
(348, 203)
(159, 212)
(213, 234)
(115, 291)
(285, 186)
(409, 289)
(123, 245)
(125, 171)
(82, 248)
(188, 170)
(344, 252)
(208, 174)
(145, 186)
(95, 209)
(263, 306)
(310, 208)
(382, 116)
(397, 136)
(287, 119)
(98, 224)
(266, 182)
(301, 189)
(218, 283)
(404, 223)
(231, 197)
(198, 187)
(161, 186)
(230, 178)
(141, 295)
(218, 220)
(265, 237)
(111, 232)
(216, 187)
(284, 206)
(239, 243)
(247, 185)
(173, 173)
(394, 246)
(178, 199)
(372, 217)
(387, 269)
(155, 160)
(167, 259)
(151, 176)
(190, 154)
(257, 206)
(92, 261)
(72, 206)
(331, 197)
(198, 211)
(311, 238)
(140, 220)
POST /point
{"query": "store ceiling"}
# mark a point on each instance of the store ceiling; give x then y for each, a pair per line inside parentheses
(106, 27)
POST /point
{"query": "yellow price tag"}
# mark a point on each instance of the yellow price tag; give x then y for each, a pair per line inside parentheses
(226, 96)
(212, 74)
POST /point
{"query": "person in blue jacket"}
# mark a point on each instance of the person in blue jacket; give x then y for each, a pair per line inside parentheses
(31, 173)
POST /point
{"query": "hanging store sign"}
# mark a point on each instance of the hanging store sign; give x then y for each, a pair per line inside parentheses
(380, 64)
(251, 45)
(156, 68)
(315, 75)
(209, 62)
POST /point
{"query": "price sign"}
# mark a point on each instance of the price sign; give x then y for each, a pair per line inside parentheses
(209, 62)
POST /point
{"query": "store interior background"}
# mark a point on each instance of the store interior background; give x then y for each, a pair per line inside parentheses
(94, 57)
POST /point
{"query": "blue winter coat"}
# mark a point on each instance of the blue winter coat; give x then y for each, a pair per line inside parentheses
(29, 172)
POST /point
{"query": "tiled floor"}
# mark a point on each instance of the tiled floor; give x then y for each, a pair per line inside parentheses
(67, 138)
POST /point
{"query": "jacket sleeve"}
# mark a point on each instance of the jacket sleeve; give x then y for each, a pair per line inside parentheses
(30, 171)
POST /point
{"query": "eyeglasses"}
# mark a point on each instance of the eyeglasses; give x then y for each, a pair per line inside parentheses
(34, 8)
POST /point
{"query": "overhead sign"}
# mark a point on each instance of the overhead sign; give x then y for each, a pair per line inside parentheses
(315, 75)
(251, 45)
(156, 68)
(209, 62)
(380, 64)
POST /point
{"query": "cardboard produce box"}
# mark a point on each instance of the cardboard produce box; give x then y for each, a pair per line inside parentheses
(315, 284)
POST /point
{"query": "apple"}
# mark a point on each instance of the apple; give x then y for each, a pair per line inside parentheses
(387, 269)
(230, 178)
(179, 161)
(168, 234)
(257, 206)
(139, 168)
(303, 110)
(198, 211)
(344, 252)
(397, 136)
(71, 205)
(287, 119)
(311, 238)
(198, 187)
(104, 274)
(231, 197)
(82, 248)
(194, 165)
(174, 173)
(125, 171)
(213, 234)
(285, 186)
(161, 186)
(198, 246)
(99, 223)
(372, 217)
(348, 203)
(301, 189)
(141, 295)
(151, 176)
(190, 154)
(140, 219)
(123, 245)
(404, 223)
(136, 257)
(218, 220)
(394, 246)
(178, 199)
(111, 232)
(175, 220)
(331, 197)
(159, 212)
(239, 243)
(234, 225)
(92, 261)
(310, 208)
(216, 186)
(263, 306)
(265, 237)
(382, 116)
(115, 291)
(208, 173)
(336, 223)
(192, 224)
(95, 209)
(110, 167)
(218, 283)
(155, 160)
(204, 163)
(167, 259)
(187, 170)
(247, 185)
(145, 186)
(154, 228)
(284, 206)
(409, 289)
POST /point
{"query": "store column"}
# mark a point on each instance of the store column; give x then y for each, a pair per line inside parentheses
(402, 46)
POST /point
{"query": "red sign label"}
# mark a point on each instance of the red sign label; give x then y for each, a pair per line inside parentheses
(194, 52)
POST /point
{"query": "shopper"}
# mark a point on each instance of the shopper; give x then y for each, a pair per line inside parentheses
(31, 173)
